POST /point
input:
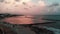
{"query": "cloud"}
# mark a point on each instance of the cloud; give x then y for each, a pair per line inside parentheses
(28, 7)
(1, 0)
(17, 0)
(53, 9)
(54, 4)
(41, 3)
(22, 7)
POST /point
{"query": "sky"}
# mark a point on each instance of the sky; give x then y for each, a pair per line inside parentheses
(30, 7)
(52, 1)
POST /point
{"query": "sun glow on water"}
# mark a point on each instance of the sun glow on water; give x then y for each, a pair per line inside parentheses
(19, 20)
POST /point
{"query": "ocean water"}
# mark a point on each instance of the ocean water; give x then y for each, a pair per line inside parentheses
(55, 18)
(35, 19)
(55, 27)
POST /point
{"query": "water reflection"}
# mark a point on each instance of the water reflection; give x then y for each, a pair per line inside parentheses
(19, 20)
(25, 19)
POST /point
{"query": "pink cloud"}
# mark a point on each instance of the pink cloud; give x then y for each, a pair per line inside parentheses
(20, 8)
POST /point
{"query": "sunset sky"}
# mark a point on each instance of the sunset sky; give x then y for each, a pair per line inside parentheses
(30, 7)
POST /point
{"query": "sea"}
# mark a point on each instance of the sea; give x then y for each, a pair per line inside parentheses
(50, 22)
(55, 18)
(53, 26)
